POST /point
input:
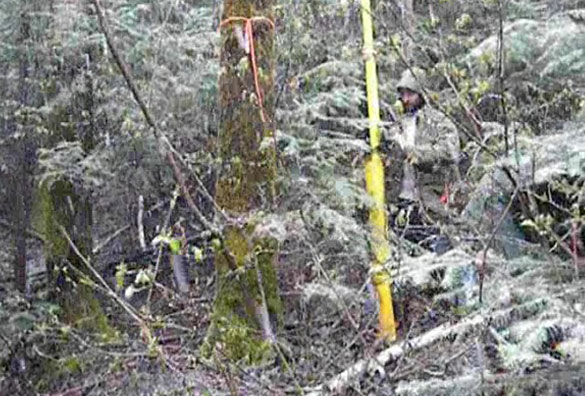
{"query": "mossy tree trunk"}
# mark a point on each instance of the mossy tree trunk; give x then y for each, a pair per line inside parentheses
(247, 301)
(66, 210)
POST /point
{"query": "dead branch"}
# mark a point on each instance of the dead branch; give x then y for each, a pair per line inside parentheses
(129, 309)
(341, 381)
(477, 383)
(445, 331)
(139, 222)
(109, 239)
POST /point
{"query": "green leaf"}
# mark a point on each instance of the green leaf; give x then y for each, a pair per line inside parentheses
(121, 271)
(198, 253)
(529, 224)
(65, 330)
(86, 281)
(175, 246)
(216, 243)
(72, 365)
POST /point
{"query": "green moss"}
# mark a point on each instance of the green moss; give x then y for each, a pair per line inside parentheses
(71, 365)
(61, 208)
(245, 184)
(82, 308)
(236, 340)
(55, 244)
(234, 327)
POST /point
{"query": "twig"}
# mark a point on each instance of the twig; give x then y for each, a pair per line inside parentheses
(263, 316)
(122, 67)
(6, 340)
(160, 249)
(317, 261)
(170, 154)
(407, 10)
(341, 381)
(291, 43)
(140, 225)
(110, 238)
(501, 72)
(434, 104)
(574, 231)
(161, 28)
(101, 280)
(468, 111)
(426, 95)
(88, 345)
(471, 383)
(464, 327)
(567, 248)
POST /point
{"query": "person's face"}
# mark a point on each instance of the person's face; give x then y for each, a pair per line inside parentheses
(410, 100)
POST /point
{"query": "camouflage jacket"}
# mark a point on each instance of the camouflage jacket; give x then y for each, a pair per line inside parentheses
(431, 145)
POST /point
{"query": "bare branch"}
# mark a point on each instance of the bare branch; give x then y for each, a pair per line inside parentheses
(139, 222)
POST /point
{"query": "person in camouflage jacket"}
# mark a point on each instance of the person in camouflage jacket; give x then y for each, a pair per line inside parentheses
(426, 143)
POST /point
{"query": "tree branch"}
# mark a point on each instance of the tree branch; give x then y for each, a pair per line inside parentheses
(170, 152)
(122, 66)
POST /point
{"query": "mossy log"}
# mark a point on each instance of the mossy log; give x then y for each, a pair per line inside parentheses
(247, 302)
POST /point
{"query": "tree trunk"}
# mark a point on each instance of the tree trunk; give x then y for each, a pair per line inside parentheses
(65, 205)
(21, 176)
(247, 300)
(65, 208)
(23, 190)
(20, 225)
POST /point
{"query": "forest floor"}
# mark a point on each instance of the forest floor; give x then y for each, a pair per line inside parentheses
(526, 337)
(528, 347)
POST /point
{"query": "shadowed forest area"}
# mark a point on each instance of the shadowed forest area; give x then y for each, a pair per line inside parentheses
(320, 197)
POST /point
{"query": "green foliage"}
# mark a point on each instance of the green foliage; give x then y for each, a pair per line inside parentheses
(73, 90)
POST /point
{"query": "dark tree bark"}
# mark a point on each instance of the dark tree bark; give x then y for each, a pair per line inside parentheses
(246, 305)
(22, 177)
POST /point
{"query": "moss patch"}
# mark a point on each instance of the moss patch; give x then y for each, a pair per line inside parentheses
(62, 208)
(235, 329)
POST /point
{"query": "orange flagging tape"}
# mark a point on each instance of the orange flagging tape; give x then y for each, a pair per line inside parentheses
(248, 22)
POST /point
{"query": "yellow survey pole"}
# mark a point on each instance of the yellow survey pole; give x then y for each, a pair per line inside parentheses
(375, 186)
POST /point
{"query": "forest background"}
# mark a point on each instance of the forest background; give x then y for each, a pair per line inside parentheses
(111, 158)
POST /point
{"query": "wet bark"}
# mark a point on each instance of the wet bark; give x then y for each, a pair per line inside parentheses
(247, 301)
